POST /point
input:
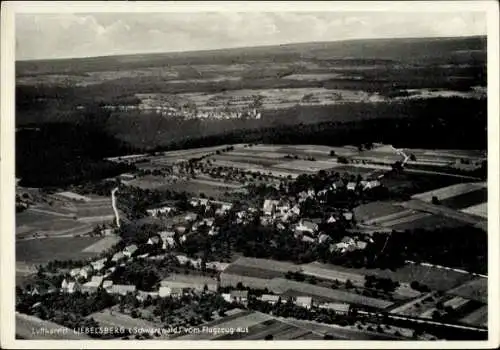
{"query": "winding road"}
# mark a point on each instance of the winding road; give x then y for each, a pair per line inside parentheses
(115, 209)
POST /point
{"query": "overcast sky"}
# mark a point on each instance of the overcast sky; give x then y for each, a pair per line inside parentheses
(98, 34)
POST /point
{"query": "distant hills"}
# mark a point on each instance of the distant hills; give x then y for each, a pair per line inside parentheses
(406, 51)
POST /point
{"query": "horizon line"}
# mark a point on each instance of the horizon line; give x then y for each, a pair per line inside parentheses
(150, 53)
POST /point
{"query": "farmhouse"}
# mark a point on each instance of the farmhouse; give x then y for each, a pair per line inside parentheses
(160, 211)
(107, 284)
(72, 287)
(171, 291)
(98, 265)
(122, 289)
(239, 296)
(153, 240)
(118, 256)
(142, 295)
(130, 250)
(339, 308)
(93, 285)
(304, 301)
(269, 207)
(306, 226)
(351, 186)
(85, 272)
(269, 298)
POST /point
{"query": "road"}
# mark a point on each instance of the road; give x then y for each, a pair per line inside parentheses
(447, 268)
(115, 209)
(417, 320)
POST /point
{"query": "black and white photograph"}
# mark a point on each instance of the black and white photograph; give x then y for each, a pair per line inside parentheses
(265, 174)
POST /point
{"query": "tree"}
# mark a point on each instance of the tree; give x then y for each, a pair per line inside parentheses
(435, 200)
(332, 153)
(269, 337)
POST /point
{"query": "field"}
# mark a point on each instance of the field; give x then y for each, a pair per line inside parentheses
(443, 211)
(449, 191)
(272, 265)
(476, 289)
(116, 319)
(425, 221)
(437, 279)
(102, 245)
(250, 271)
(26, 324)
(479, 210)
(40, 251)
(478, 317)
(466, 200)
(374, 210)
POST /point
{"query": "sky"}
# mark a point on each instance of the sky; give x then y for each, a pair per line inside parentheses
(66, 35)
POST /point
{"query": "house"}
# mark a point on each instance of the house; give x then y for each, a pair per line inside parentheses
(98, 265)
(190, 217)
(269, 207)
(122, 289)
(361, 245)
(306, 238)
(182, 259)
(351, 186)
(153, 240)
(85, 272)
(118, 256)
(164, 292)
(130, 250)
(169, 242)
(142, 295)
(227, 297)
(226, 207)
(295, 210)
(266, 220)
(107, 231)
(74, 272)
(371, 184)
(323, 238)
(348, 216)
(239, 296)
(107, 284)
(143, 256)
(331, 220)
(339, 308)
(180, 229)
(72, 287)
(304, 302)
(199, 201)
(213, 231)
(216, 265)
(269, 298)
(64, 284)
(306, 226)
(336, 185)
(160, 211)
(93, 285)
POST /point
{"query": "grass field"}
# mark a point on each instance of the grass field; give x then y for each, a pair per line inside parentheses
(354, 170)
(251, 159)
(26, 324)
(437, 279)
(466, 200)
(102, 245)
(307, 165)
(449, 191)
(478, 317)
(272, 265)
(252, 271)
(428, 221)
(374, 210)
(117, 319)
(41, 251)
(476, 289)
(479, 210)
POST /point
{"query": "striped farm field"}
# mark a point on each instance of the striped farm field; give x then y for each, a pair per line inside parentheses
(374, 210)
(250, 158)
(41, 251)
(307, 165)
(450, 191)
(435, 278)
(272, 265)
(354, 170)
(321, 271)
(250, 271)
(476, 289)
(427, 221)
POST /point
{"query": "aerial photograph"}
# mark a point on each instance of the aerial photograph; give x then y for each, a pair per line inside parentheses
(251, 176)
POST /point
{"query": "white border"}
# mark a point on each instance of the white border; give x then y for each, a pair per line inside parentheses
(7, 180)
